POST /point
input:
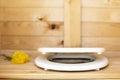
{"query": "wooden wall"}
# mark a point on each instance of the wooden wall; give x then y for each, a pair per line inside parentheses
(0, 36)
(101, 24)
(30, 24)
(26, 24)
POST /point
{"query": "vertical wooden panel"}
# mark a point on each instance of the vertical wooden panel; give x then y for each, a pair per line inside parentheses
(72, 26)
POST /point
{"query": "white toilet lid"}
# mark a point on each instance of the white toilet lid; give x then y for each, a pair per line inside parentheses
(100, 62)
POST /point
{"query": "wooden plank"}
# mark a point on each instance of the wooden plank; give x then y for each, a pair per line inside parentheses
(111, 44)
(100, 29)
(32, 28)
(1, 3)
(72, 23)
(101, 3)
(31, 3)
(100, 15)
(30, 42)
(1, 25)
(30, 71)
(1, 14)
(33, 14)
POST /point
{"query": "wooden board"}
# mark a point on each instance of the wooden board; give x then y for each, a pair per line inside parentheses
(72, 25)
(30, 71)
(32, 28)
(1, 14)
(1, 25)
(30, 42)
(101, 3)
(100, 15)
(110, 44)
(31, 3)
(100, 29)
(33, 14)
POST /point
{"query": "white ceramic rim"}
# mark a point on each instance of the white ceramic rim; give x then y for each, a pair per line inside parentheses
(71, 50)
(43, 62)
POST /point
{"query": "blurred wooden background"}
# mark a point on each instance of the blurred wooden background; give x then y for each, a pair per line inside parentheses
(30, 24)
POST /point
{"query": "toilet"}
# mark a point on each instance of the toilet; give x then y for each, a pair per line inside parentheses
(71, 59)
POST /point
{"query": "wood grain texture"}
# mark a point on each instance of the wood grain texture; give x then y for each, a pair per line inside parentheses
(1, 25)
(72, 25)
(33, 14)
(32, 28)
(1, 3)
(30, 71)
(30, 43)
(101, 3)
(110, 44)
(101, 14)
(31, 3)
(100, 29)
(1, 14)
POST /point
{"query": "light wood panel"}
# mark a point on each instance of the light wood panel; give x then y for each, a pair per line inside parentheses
(1, 3)
(32, 28)
(27, 42)
(96, 29)
(31, 3)
(72, 24)
(1, 14)
(1, 25)
(33, 14)
(101, 3)
(110, 44)
(101, 14)
(30, 71)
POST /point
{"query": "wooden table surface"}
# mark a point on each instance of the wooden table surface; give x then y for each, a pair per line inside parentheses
(31, 71)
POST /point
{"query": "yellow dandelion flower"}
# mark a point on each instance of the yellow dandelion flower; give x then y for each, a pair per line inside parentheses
(20, 58)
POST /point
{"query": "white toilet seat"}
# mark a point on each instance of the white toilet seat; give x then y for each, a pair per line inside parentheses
(43, 62)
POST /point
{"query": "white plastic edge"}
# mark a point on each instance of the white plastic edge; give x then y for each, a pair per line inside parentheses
(71, 50)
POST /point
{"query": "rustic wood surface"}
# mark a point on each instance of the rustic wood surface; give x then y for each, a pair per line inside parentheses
(99, 25)
(38, 28)
(31, 71)
(101, 3)
(72, 23)
(31, 3)
(30, 42)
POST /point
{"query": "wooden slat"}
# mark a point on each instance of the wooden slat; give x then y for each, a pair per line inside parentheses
(111, 44)
(32, 28)
(101, 3)
(33, 14)
(101, 14)
(96, 29)
(27, 43)
(1, 14)
(31, 3)
(72, 23)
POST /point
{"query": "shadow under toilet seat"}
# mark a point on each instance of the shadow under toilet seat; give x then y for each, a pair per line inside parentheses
(99, 62)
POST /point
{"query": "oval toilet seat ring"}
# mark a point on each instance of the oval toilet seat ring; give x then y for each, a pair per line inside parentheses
(98, 63)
